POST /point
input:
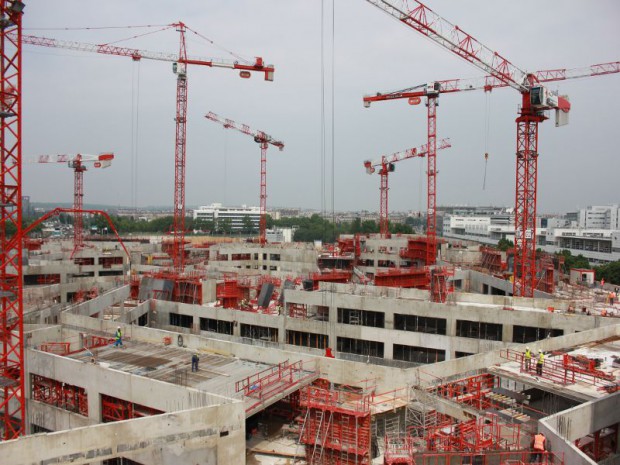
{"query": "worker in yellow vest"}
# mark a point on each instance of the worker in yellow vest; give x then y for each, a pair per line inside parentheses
(528, 359)
(540, 362)
(539, 444)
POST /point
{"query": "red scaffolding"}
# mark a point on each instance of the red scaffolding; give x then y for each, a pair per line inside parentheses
(336, 428)
(115, 409)
(440, 286)
(273, 382)
(59, 394)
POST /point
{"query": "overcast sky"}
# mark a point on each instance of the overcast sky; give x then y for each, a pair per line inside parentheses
(80, 102)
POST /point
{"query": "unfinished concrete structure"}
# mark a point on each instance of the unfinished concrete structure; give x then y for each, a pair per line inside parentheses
(310, 371)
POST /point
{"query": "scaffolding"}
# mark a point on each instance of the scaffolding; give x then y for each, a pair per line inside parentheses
(336, 427)
(440, 286)
(272, 383)
(59, 394)
(492, 260)
(115, 409)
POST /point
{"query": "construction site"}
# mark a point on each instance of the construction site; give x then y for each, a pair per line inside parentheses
(376, 349)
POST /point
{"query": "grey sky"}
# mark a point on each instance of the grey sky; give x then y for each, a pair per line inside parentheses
(77, 102)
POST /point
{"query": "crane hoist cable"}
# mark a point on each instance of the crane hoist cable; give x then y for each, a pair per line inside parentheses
(135, 133)
(487, 130)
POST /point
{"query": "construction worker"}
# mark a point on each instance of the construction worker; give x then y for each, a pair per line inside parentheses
(528, 359)
(119, 337)
(538, 446)
(195, 361)
(540, 362)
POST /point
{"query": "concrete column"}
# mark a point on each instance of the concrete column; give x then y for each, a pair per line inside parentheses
(94, 405)
(451, 327)
(282, 326)
(507, 332)
(388, 350)
(236, 328)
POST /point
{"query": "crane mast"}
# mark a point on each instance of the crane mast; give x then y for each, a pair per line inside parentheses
(12, 398)
(78, 164)
(264, 140)
(535, 100)
(178, 245)
(180, 69)
(386, 165)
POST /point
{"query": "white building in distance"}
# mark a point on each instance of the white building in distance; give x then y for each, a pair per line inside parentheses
(217, 213)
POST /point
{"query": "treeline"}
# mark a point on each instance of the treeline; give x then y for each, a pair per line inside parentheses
(307, 229)
(315, 227)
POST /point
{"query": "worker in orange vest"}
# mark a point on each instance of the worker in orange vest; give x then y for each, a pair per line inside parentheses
(539, 446)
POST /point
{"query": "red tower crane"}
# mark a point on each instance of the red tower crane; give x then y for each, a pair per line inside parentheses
(536, 99)
(180, 60)
(12, 399)
(431, 91)
(264, 140)
(386, 166)
(78, 164)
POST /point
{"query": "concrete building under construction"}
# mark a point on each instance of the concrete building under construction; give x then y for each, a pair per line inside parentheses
(308, 364)
(378, 349)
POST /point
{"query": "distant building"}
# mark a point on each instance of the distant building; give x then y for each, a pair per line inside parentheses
(280, 235)
(217, 213)
(593, 232)
(600, 217)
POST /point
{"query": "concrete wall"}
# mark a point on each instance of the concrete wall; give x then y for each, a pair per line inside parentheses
(347, 372)
(562, 429)
(206, 436)
(506, 311)
(97, 380)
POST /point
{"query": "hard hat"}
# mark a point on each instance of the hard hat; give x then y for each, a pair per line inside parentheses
(118, 327)
(527, 348)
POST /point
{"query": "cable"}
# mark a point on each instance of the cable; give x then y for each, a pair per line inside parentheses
(333, 142)
(89, 28)
(323, 109)
(135, 125)
(487, 129)
(212, 42)
(137, 35)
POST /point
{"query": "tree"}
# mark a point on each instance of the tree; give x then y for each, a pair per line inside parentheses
(356, 226)
(570, 261)
(505, 244)
(224, 226)
(248, 225)
(610, 272)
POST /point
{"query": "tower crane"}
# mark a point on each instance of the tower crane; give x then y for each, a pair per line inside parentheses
(78, 164)
(180, 62)
(432, 90)
(386, 166)
(12, 398)
(264, 140)
(536, 99)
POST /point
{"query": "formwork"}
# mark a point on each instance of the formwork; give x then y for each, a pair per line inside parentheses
(403, 277)
(336, 428)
